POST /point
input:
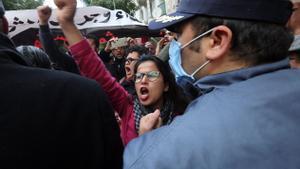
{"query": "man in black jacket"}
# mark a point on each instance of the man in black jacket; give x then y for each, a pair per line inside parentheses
(115, 49)
(61, 60)
(51, 119)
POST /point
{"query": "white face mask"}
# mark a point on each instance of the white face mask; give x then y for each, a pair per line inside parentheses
(175, 57)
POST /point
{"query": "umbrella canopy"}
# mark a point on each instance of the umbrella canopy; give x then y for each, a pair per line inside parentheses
(94, 19)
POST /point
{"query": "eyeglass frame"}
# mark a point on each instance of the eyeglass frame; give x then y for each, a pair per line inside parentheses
(130, 60)
(157, 75)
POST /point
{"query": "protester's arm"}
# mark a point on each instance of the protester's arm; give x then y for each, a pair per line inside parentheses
(62, 60)
(92, 67)
(66, 10)
(89, 63)
(164, 53)
(159, 46)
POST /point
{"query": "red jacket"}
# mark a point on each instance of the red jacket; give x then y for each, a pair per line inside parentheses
(92, 67)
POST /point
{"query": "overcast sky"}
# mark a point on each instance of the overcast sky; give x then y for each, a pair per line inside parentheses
(51, 3)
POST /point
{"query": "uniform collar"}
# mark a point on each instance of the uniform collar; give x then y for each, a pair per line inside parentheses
(208, 83)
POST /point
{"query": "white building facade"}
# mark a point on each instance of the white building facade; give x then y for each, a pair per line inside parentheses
(150, 9)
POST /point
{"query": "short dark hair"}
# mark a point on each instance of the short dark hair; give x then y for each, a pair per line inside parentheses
(254, 42)
(141, 50)
(174, 93)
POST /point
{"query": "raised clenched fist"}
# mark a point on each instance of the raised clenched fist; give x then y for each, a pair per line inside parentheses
(44, 13)
(65, 10)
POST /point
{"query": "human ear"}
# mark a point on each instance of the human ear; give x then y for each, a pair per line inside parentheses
(219, 42)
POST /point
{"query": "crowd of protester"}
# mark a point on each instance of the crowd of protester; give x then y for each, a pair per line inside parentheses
(218, 89)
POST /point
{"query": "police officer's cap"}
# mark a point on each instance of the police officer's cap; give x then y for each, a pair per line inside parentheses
(272, 11)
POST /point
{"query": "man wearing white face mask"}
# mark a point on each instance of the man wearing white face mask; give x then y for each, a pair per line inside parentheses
(235, 52)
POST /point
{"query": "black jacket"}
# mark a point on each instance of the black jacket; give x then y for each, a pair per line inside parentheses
(61, 60)
(116, 68)
(52, 119)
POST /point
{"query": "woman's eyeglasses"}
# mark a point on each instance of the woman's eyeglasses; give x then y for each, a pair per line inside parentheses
(151, 76)
(129, 60)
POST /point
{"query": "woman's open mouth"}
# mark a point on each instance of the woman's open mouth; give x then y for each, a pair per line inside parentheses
(144, 94)
(127, 70)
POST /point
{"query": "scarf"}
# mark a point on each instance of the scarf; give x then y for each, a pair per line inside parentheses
(166, 112)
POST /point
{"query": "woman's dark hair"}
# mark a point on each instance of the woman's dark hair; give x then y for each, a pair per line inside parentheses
(254, 42)
(36, 56)
(141, 50)
(174, 92)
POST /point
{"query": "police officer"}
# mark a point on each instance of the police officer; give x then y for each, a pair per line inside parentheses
(246, 114)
